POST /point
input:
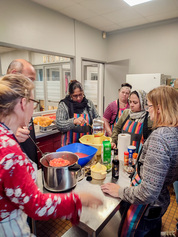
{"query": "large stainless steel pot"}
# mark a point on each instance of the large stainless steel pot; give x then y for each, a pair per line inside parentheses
(60, 179)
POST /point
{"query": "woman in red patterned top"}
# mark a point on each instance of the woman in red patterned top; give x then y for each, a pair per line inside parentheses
(19, 195)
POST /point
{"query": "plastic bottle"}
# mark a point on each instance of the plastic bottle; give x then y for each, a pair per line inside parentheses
(115, 165)
(126, 158)
(134, 158)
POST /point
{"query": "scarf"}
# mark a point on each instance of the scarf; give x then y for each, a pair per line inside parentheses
(75, 107)
(137, 116)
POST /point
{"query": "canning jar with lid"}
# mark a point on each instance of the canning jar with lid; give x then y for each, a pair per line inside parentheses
(98, 127)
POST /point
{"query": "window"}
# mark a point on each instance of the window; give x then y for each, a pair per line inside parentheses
(92, 79)
(53, 74)
(51, 85)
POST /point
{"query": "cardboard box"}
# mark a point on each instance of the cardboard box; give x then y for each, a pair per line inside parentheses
(176, 84)
(170, 82)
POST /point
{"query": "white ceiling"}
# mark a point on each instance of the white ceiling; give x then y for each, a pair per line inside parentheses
(112, 15)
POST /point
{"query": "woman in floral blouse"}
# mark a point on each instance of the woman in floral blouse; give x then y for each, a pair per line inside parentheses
(19, 195)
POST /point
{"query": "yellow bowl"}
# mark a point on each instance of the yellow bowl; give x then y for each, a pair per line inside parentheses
(94, 141)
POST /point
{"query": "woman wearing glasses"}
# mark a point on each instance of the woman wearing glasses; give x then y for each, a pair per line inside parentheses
(115, 109)
(75, 114)
(19, 195)
(157, 169)
(134, 121)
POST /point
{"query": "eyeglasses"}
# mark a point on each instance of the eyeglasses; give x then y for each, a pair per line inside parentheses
(147, 107)
(76, 96)
(35, 103)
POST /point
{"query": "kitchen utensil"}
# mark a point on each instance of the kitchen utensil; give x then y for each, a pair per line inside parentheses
(60, 179)
(98, 171)
(90, 125)
(96, 142)
(78, 147)
(36, 145)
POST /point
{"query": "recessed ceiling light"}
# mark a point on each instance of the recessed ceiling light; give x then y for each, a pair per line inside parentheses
(136, 2)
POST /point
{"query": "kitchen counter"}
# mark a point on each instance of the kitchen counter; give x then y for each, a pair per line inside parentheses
(46, 133)
(92, 221)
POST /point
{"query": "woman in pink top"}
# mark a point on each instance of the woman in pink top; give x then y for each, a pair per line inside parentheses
(116, 108)
(19, 195)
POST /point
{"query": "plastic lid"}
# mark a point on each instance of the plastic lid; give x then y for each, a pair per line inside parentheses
(98, 120)
(126, 153)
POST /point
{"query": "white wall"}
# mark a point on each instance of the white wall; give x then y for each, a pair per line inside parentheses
(26, 24)
(89, 45)
(115, 75)
(149, 50)
(6, 58)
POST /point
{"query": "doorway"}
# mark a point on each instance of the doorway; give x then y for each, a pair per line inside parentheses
(93, 82)
(115, 75)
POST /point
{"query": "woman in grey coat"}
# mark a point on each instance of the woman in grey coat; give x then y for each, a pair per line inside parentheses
(157, 167)
(75, 114)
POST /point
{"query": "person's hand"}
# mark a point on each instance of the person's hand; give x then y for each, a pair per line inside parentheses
(79, 121)
(111, 189)
(22, 134)
(109, 133)
(113, 145)
(88, 200)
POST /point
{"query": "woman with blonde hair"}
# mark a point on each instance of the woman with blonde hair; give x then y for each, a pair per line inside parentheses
(19, 195)
(157, 168)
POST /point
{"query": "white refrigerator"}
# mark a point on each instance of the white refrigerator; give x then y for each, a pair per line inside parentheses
(146, 82)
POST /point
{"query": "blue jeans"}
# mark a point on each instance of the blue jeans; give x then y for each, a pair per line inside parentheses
(175, 184)
(149, 227)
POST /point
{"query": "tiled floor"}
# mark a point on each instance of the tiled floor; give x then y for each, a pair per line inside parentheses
(56, 228)
(52, 228)
(169, 219)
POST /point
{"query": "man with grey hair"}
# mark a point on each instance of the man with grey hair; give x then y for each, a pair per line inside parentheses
(24, 67)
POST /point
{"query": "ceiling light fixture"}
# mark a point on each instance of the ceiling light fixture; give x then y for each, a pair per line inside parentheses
(104, 35)
(135, 2)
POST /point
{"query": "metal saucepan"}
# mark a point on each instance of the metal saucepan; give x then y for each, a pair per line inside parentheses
(60, 179)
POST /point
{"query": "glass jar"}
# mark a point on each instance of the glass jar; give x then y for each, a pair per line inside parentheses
(98, 127)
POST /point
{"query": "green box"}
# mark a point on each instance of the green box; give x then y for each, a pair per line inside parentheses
(106, 152)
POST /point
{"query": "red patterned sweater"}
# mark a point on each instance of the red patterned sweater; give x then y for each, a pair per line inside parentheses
(19, 191)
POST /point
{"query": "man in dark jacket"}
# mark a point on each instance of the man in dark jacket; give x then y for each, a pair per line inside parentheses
(24, 67)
